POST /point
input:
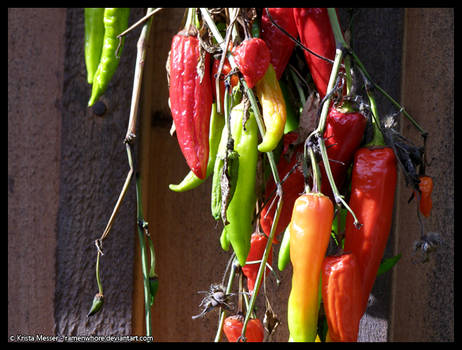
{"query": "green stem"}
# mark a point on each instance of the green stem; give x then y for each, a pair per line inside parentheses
(335, 25)
(377, 138)
(422, 131)
(228, 290)
(340, 40)
(190, 18)
(144, 258)
(316, 172)
(262, 268)
(98, 280)
(349, 82)
(296, 79)
(319, 132)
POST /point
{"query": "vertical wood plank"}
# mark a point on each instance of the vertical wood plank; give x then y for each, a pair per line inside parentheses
(34, 130)
(423, 302)
(94, 166)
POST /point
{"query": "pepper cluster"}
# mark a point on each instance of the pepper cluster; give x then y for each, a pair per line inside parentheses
(255, 99)
(102, 50)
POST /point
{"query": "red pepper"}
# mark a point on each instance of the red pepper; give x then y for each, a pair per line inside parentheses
(292, 187)
(316, 34)
(232, 328)
(257, 248)
(224, 71)
(373, 187)
(426, 188)
(342, 136)
(252, 57)
(341, 295)
(279, 44)
(191, 100)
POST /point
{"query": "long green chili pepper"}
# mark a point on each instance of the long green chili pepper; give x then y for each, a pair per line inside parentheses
(115, 22)
(242, 206)
(215, 197)
(191, 181)
(94, 34)
(224, 183)
(284, 252)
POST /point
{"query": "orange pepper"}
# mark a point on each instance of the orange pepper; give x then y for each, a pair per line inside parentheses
(426, 188)
(309, 236)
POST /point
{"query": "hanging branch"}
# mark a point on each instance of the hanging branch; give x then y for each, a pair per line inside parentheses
(131, 134)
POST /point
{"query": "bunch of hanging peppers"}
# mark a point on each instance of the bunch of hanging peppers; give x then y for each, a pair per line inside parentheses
(329, 184)
(102, 50)
(282, 135)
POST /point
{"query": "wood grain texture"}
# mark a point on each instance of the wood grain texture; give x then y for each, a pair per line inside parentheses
(34, 131)
(94, 166)
(423, 293)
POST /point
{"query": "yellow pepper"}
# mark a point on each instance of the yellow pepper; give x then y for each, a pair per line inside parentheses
(274, 113)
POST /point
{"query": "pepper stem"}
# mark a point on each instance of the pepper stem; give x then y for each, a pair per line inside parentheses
(377, 138)
(235, 266)
(319, 131)
(144, 259)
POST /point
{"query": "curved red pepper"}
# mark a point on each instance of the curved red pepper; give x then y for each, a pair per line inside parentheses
(257, 248)
(373, 187)
(252, 57)
(316, 34)
(279, 44)
(292, 187)
(190, 100)
(341, 295)
(342, 136)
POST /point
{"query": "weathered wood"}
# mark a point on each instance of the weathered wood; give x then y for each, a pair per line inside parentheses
(94, 166)
(423, 301)
(35, 79)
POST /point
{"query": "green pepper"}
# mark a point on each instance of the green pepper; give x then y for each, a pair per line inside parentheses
(292, 119)
(191, 181)
(225, 175)
(284, 250)
(94, 34)
(98, 301)
(115, 22)
(225, 154)
(242, 206)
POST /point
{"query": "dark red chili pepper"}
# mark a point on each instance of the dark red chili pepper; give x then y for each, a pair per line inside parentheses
(341, 295)
(232, 328)
(316, 34)
(257, 248)
(252, 57)
(342, 136)
(279, 44)
(373, 187)
(191, 99)
(292, 187)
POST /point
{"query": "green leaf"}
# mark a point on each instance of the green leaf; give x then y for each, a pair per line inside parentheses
(387, 264)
